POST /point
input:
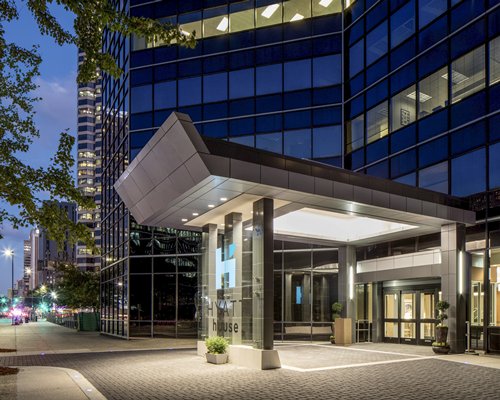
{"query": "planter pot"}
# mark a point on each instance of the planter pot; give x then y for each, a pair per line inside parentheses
(441, 349)
(441, 334)
(216, 358)
(332, 341)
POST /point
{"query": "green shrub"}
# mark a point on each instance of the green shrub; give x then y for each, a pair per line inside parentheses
(336, 310)
(442, 306)
(216, 345)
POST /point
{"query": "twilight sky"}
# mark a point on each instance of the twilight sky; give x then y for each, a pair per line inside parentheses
(55, 113)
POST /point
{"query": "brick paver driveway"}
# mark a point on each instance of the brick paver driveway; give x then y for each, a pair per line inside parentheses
(180, 374)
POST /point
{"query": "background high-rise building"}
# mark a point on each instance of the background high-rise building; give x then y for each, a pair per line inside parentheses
(403, 89)
(42, 255)
(89, 164)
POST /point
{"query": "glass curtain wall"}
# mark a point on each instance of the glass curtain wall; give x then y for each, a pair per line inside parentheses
(305, 287)
(163, 279)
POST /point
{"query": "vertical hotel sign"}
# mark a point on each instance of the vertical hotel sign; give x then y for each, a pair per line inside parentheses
(224, 307)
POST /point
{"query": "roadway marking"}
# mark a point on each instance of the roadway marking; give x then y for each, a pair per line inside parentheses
(297, 369)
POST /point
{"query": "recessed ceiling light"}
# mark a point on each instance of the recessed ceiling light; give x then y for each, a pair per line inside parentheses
(184, 219)
(211, 206)
(195, 214)
(223, 198)
(297, 17)
(456, 77)
(270, 10)
(223, 24)
(422, 97)
(325, 3)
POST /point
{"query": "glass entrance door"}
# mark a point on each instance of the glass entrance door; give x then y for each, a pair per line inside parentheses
(427, 314)
(409, 316)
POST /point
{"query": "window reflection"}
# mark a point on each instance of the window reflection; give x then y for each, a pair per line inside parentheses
(434, 178)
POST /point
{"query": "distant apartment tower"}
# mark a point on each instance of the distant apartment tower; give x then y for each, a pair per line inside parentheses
(42, 255)
(89, 165)
(47, 253)
(27, 270)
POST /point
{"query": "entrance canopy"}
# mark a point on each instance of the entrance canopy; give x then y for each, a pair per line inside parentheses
(181, 180)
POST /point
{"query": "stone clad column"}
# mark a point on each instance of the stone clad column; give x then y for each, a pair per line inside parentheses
(347, 275)
(262, 274)
(454, 283)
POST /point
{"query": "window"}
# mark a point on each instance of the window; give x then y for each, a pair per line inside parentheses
(356, 58)
(242, 16)
(269, 79)
(142, 98)
(241, 83)
(189, 91)
(215, 87)
(435, 178)
(403, 108)
(495, 61)
(468, 173)
(355, 133)
(245, 140)
(495, 166)
(269, 15)
(432, 92)
(377, 122)
(403, 24)
(467, 74)
(327, 141)
(165, 95)
(270, 142)
(298, 143)
(429, 10)
(327, 70)
(298, 75)
(325, 7)
(376, 43)
(296, 10)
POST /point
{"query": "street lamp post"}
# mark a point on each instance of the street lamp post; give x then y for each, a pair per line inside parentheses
(10, 253)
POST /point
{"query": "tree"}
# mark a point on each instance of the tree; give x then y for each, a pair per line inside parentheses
(76, 288)
(22, 185)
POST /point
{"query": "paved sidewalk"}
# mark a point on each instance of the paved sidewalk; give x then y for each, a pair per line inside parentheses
(45, 337)
(47, 383)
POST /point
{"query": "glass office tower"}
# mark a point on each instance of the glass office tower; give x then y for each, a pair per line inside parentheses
(405, 90)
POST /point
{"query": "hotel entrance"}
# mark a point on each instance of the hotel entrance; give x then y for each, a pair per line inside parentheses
(409, 315)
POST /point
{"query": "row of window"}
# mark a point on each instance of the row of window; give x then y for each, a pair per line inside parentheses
(275, 78)
(401, 26)
(320, 143)
(430, 95)
(242, 16)
(463, 176)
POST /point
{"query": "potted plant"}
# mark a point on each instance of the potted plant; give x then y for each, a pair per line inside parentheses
(441, 346)
(216, 349)
(336, 310)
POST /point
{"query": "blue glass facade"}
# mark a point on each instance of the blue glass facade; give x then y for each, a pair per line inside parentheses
(405, 90)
